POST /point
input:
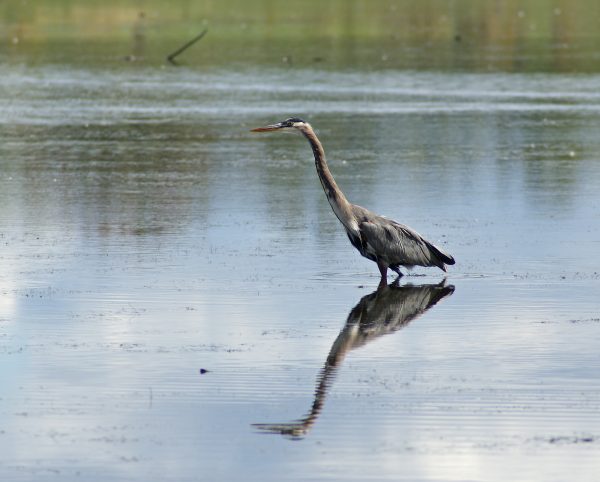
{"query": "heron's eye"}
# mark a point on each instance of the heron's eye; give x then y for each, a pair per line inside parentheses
(293, 120)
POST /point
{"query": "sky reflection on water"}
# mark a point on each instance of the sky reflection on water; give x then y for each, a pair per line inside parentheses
(145, 240)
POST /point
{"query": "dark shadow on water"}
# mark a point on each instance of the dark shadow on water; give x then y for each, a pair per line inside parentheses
(382, 312)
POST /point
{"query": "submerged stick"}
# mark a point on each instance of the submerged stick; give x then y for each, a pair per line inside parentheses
(171, 58)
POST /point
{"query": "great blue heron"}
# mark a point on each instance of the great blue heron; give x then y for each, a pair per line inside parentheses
(388, 243)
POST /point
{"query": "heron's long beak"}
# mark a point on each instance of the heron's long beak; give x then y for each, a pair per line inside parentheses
(272, 127)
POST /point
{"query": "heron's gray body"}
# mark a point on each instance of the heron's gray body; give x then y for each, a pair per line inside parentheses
(387, 242)
(393, 244)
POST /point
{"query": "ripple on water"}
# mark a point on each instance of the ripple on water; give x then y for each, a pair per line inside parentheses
(147, 237)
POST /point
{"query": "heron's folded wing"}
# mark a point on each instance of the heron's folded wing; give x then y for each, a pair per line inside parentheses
(397, 244)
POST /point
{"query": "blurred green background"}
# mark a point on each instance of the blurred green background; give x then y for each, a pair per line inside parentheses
(510, 35)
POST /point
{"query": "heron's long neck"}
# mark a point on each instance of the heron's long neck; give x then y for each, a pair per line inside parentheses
(335, 196)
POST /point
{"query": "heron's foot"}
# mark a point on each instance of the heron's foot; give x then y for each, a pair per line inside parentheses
(396, 282)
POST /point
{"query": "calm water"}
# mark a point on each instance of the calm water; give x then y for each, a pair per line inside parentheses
(147, 236)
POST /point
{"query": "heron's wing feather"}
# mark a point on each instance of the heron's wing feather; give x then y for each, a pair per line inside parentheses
(395, 243)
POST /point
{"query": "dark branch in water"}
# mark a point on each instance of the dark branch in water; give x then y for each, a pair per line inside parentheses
(171, 58)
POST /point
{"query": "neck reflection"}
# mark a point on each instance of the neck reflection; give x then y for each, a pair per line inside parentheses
(386, 310)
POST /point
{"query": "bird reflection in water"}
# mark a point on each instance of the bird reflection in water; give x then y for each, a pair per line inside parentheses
(386, 310)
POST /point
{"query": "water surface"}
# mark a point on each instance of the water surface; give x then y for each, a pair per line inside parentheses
(176, 293)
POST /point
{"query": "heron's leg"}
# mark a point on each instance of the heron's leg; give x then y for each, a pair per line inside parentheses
(396, 268)
(383, 270)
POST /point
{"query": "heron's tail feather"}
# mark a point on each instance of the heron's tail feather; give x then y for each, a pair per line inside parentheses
(444, 258)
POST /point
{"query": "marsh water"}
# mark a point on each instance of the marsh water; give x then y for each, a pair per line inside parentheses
(178, 302)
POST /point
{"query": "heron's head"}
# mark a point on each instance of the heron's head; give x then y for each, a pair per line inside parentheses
(291, 124)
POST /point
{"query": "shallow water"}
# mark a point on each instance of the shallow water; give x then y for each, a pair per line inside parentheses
(175, 291)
